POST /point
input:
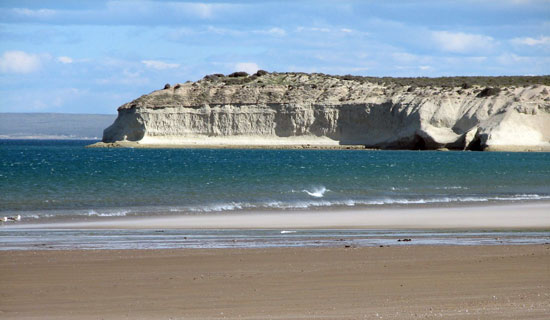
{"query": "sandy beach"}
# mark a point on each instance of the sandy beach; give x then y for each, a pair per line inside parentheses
(425, 282)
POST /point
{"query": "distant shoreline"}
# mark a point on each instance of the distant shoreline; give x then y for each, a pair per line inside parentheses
(53, 126)
(49, 138)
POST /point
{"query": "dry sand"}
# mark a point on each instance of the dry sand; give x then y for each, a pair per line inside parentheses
(200, 143)
(428, 282)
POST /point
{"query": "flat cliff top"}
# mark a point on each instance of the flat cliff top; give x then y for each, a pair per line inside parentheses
(316, 88)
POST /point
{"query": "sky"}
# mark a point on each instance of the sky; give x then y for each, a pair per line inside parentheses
(93, 56)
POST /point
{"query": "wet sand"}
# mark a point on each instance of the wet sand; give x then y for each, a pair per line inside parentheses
(520, 216)
(451, 282)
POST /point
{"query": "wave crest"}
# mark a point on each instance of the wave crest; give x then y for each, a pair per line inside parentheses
(316, 192)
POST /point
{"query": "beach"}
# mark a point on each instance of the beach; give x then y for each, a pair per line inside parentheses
(274, 160)
(424, 282)
(121, 233)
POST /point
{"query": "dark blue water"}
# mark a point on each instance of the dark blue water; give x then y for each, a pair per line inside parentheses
(63, 178)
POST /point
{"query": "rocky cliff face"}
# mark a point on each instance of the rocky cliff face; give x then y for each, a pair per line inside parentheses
(314, 109)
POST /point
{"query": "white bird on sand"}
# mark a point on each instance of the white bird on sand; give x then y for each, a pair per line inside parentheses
(16, 218)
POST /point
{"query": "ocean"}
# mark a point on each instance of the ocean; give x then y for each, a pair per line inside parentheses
(55, 180)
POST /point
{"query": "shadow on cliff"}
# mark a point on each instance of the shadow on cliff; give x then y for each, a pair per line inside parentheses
(128, 126)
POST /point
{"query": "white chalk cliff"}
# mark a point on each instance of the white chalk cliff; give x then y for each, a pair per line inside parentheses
(310, 109)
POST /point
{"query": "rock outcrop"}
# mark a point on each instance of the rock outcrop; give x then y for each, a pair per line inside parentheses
(293, 109)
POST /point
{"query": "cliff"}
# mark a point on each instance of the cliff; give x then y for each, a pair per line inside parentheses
(295, 109)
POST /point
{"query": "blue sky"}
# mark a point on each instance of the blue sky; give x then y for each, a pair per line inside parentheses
(92, 56)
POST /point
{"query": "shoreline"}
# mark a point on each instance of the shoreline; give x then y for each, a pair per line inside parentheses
(274, 146)
(451, 282)
(503, 216)
(300, 146)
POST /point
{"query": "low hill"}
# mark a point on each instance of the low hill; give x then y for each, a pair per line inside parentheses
(53, 125)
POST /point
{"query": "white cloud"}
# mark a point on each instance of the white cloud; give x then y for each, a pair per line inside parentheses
(159, 65)
(511, 58)
(462, 42)
(40, 13)
(203, 10)
(277, 31)
(273, 32)
(223, 31)
(65, 60)
(127, 77)
(19, 62)
(528, 41)
(404, 57)
(149, 9)
(312, 29)
(249, 67)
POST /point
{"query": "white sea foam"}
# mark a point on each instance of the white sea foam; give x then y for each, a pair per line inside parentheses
(93, 213)
(314, 203)
(523, 197)
(453, 188)
(219, 207)
(316, 192)
(398, 188)
(296, 204)
(287, 231)
(39, 216)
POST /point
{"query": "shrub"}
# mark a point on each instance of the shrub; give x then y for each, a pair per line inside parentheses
(213, 77)
(238, 80)
(260, 73)
(488, 92)
(238, 74)
(167, 86)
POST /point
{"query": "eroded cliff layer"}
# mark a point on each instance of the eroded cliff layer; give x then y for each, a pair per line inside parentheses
(314, 109)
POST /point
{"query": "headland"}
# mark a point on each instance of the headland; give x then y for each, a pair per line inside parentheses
(300, 110)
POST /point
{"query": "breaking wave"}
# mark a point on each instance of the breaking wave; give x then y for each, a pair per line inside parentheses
(317, 192)
(317, 203)
(93, 213)
(281, 205)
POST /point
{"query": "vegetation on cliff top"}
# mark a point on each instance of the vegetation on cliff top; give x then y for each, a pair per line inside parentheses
(295, 78)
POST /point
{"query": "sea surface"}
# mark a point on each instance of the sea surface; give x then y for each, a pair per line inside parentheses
(55, 180)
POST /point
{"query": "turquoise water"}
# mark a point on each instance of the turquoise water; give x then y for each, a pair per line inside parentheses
(54, 179)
